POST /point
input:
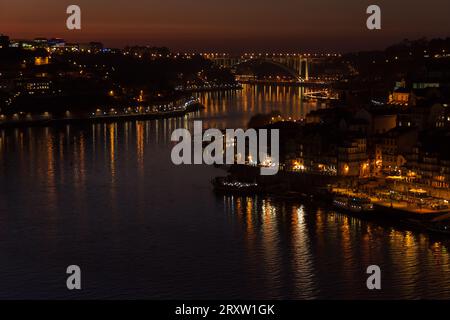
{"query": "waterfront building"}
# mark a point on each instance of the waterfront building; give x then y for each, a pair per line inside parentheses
(393, 147)
(352, 158)
(429, 163)
(325, 150)
(431, 171)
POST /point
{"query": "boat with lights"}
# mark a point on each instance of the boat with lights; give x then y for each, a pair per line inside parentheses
(227, 185)
(353, 204)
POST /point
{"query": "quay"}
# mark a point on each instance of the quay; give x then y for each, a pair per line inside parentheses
(398, 209)
(322, 189)
(99, 115)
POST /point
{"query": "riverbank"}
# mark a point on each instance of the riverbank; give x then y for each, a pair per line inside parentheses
(112, 115)
(195, 89)
(318, 189)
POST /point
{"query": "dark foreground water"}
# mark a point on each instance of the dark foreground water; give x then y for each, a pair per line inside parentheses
(106, 197)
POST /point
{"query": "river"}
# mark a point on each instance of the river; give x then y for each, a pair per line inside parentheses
(106, 197)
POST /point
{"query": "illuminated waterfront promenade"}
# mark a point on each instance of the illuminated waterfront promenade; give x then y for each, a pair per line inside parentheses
(104, 114)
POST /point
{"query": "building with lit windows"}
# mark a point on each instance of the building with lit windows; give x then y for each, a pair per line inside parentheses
(400, 96)
(352, 158)
(394, 146)
(34, 86)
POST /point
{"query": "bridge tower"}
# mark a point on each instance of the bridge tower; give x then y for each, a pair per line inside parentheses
(301, 61)
(306, 69)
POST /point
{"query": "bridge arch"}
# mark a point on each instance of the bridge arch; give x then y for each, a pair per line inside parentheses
(293, 65)
(294, 70)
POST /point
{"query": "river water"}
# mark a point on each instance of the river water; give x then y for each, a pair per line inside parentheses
(106, 197)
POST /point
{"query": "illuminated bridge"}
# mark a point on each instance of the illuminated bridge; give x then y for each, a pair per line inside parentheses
(296, 65)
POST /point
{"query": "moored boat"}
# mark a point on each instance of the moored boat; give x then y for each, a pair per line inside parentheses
(353, 204)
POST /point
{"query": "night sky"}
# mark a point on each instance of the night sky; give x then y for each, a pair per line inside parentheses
(231, 25)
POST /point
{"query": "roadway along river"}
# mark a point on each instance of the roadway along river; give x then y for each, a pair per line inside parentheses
(106, 197)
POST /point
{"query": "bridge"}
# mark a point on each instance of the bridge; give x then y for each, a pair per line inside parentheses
(296, 65)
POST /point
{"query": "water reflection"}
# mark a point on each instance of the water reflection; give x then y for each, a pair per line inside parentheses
(312, 252)
(107, 196)
(235, 108)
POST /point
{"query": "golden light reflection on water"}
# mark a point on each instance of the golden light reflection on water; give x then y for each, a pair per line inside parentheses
(61, 156)
(112, 151)
(270, 241)
(355, 244)
(302, 257)
(140, 145)
(254, 99)
(50, 172)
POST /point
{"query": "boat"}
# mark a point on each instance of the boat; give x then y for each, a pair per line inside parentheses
(353, 204)
(227, 185)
